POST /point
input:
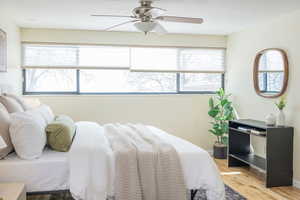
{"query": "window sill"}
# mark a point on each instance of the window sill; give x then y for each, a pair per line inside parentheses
(117, 94)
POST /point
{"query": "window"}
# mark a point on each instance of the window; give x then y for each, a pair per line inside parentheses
(123, 81)
(82, 69)
(51, 80)
(192, 82)
(270, 82)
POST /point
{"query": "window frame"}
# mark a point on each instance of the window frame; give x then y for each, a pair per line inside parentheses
(78, 92)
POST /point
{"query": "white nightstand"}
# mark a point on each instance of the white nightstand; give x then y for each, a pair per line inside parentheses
(12, 191)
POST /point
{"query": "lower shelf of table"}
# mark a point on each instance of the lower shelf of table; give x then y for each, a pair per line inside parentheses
(251, 159)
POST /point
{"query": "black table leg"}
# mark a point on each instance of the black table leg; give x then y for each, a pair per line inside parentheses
(193, 194)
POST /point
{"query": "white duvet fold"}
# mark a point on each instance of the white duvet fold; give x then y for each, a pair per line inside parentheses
(93, 170)
(91, 163)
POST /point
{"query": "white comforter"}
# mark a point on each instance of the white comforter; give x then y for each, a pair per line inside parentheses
(92, 165)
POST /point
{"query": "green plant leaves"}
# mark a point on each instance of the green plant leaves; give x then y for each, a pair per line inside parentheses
(221, 110)
(224, 140)
(282, 103)
(224, 102)
(221, 92)
(213, 112)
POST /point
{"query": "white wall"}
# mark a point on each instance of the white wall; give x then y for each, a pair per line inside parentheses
(13, 75)
(242, 47)
(182, 115)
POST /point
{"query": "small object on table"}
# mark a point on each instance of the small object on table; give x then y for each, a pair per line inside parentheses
(256, 132)
(243, 129)
(281, 116)
(12, 191)
(271, 120)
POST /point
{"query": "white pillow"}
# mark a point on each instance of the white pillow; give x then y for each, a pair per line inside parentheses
(19, 99)
(27, 133)
(46, 112)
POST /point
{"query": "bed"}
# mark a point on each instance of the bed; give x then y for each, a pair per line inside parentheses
(48, 173)
(56, 171)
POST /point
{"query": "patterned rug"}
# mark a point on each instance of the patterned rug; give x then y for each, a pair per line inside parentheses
(230, 195)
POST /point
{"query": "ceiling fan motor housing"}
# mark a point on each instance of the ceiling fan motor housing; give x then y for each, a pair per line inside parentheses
(141, 11)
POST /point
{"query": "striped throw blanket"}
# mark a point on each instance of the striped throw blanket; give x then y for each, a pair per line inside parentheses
(147, 168)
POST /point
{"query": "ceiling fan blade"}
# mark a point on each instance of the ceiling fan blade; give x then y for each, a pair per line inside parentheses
(121, 24)
(160, 29)
(181, 19)
(155, 12)
(117, 16)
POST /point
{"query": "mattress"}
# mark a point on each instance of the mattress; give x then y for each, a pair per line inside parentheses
(50, 172)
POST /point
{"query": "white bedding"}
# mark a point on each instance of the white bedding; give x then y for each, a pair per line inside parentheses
(50, 172)
(92, 165)
(87, 168)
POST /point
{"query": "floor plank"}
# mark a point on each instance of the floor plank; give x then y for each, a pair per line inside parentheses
(251, 186)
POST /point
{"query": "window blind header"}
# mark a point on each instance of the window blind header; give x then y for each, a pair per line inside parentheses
(146, 59)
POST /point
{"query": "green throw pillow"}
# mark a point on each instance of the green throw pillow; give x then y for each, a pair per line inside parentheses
(60, 133)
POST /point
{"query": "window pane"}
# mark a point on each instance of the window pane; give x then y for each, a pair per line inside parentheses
(271, 81)
(154, 59)
(50, 80)
(54, 55)
(114, 81)
(275, 81)
(202, 59)
(200, 82)
(104, 56)
(271, 60)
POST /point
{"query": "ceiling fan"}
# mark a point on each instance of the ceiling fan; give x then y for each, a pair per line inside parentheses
(146, 18)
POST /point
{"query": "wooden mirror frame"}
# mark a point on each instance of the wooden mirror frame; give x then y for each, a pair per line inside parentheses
(256, 71)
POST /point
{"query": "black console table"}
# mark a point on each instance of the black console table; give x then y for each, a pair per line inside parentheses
(278, 164)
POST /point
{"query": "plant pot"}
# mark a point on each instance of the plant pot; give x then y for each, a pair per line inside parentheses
(220, 151)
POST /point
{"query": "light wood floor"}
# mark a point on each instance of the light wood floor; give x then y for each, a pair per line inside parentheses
(248, 184)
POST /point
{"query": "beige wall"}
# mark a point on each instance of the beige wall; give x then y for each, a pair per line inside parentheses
(242, 47)
(182, 115)
(13, 75)
(121, 38)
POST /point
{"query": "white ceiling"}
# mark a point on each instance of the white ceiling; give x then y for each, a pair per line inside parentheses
(221, 16)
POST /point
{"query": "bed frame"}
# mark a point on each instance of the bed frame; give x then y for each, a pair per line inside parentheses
(193, 193)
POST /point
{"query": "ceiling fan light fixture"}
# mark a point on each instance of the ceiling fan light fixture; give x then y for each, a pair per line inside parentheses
(145, 26)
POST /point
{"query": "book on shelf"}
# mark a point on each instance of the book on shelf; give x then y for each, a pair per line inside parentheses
(253, 131)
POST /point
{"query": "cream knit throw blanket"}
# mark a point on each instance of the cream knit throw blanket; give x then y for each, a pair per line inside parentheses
(147, 168)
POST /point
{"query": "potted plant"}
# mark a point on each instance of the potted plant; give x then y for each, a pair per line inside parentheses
(221, 110)
(281, 117)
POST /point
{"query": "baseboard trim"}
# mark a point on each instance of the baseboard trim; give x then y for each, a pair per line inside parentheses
(296, 183)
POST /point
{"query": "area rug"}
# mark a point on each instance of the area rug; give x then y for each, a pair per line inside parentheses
(230, 195)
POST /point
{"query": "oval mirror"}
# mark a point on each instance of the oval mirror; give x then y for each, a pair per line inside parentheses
(271, 73)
